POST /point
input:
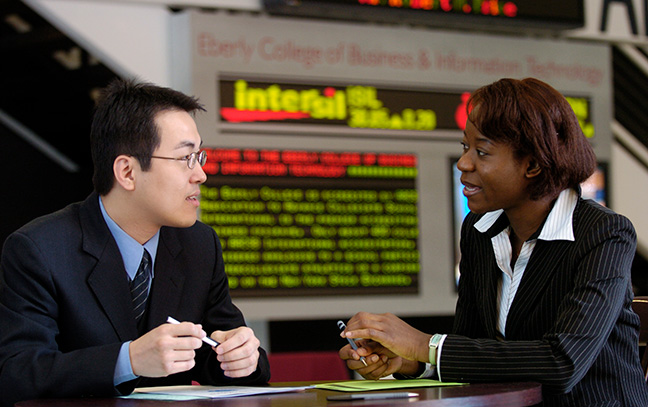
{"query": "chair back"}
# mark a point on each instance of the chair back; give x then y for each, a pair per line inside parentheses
(640, 307)
(307, 366)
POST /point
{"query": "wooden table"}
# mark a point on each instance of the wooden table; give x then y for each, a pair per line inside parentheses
(472, 395)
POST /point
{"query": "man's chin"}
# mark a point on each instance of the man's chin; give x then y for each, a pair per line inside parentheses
(183, 223)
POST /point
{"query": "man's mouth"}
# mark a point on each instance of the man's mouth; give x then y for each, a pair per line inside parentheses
(193, 199)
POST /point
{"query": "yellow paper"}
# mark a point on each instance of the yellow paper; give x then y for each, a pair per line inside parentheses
(366, 385)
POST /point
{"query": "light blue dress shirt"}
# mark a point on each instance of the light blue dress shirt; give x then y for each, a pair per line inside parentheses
(131, 252)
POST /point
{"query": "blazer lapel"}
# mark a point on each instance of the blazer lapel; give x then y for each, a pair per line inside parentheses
(168, 281)
(543, 264)
(490, 277)
(109, 283)
(108, 279)
(489, 284)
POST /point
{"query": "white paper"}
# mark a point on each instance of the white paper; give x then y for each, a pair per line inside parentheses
(206, 392)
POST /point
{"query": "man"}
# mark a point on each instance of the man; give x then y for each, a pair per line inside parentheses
(85, 292)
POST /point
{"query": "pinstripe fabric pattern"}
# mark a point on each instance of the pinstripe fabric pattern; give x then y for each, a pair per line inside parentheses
(139, 287)
(557, 226)
(570, 326)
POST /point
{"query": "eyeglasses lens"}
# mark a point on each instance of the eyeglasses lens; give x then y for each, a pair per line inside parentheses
(199, 157)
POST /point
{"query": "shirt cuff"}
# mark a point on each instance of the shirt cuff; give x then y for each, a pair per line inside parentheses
(438, 356)
(123, 369)
(430, 371)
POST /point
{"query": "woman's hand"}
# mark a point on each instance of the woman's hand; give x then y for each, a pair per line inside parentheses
(380, 361)
(388, 344)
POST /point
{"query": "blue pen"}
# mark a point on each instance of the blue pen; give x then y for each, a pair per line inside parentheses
(342, 327)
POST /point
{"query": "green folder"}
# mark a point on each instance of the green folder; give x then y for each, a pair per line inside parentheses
(385, 384)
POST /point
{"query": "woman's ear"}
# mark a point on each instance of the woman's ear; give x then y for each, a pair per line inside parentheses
(533, 169)
(124, 171)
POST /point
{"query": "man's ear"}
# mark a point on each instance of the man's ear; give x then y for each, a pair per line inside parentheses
(124, 168)
(533, 170)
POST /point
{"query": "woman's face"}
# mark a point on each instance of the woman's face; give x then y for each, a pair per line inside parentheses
(492, 177)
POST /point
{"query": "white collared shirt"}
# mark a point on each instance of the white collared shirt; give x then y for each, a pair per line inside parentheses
(558, 226)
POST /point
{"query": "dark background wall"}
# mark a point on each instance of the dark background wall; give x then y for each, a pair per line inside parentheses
(47, 85)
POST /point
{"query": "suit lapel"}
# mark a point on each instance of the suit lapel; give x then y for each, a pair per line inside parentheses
(489, 311)
(543, 264)
(108, 280)
(491, 276)
(109, 283)
(169, 279)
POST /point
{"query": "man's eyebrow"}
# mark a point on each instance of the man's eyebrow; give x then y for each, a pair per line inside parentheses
(187, 143)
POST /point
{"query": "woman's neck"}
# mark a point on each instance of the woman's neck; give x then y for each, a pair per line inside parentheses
(526, 220)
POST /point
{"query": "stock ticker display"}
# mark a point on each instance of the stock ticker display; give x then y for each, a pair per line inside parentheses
(295, 222)
(490, 14)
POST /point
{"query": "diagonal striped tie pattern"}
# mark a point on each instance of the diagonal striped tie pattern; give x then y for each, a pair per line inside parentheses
(140, 284)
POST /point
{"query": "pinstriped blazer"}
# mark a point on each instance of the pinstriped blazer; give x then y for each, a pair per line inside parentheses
(570, 326)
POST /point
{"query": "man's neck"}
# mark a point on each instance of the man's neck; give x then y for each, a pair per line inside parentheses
(120, 210)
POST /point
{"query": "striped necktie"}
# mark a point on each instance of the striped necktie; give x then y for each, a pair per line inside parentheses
(140, 285)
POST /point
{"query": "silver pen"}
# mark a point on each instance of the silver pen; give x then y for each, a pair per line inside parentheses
(372, 396)
(342, 327)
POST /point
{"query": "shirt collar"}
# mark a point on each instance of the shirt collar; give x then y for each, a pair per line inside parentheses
(557, 226)
(130, 248)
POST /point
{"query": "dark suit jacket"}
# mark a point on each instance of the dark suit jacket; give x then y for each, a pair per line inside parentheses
(65, 306)
(570, 327)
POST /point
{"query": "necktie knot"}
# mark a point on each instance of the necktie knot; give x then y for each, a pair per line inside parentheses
(140, 285)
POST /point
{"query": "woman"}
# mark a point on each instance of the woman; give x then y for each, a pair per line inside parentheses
(545, 292)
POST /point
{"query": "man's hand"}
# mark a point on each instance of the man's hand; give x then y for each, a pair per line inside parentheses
(166, 349)
(238, 351)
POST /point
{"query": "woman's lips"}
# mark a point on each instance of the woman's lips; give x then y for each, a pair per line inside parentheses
(470, 189)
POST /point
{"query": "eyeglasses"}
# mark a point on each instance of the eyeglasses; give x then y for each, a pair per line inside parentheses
(199, 157)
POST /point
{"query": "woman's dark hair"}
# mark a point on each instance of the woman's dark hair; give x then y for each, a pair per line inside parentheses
(124, 123)
(536, 121)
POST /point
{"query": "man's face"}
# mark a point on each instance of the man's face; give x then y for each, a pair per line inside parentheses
(169, 190)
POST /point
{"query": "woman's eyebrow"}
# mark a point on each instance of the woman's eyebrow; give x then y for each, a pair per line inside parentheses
(484, 139)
